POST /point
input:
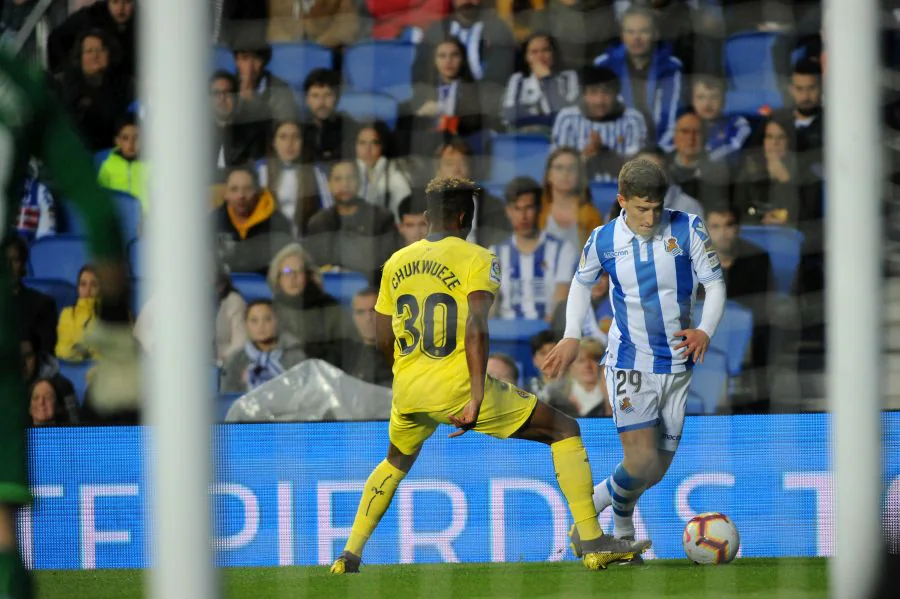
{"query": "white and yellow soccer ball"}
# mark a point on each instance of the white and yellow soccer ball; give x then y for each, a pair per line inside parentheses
(711, 538)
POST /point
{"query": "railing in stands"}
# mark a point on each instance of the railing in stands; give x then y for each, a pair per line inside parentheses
(31, 39)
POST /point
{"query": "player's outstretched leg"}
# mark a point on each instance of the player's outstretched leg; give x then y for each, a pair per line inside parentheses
(573, 474)
(376, 498)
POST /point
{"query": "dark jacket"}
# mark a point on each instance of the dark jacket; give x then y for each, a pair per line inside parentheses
(428, 133)
(316, 319)
(366, 363)
(238, 143)
(276, 102)
(582, 29)
(333, 139)
(361, 242)
(491, 223)
(94, 16)
(67, 407)
(95, 106)
(38, 315)
(251, 247)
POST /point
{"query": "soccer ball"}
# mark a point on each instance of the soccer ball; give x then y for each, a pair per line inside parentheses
(711, 538)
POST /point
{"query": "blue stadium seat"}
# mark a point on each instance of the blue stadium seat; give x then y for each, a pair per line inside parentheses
(748, 61)
(603, 196)
(138, 296)
(293, 61)
(783, 245)
(732, 337)
(518, 156)
(364, 106)
(495, 189)
(342, 285)
(223, 59)
(751, 101)
(513, 337)
(100, 157)
(77, 373)
(383, 66)
(64, 292)
(224, 404)
(130, 215)
(59, 257)
(251, 286)
(708, 383)
(135, 258)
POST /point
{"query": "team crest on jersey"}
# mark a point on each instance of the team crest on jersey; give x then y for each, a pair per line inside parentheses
(625, 406)
(672, 247)
(495, 271)
(583, 260)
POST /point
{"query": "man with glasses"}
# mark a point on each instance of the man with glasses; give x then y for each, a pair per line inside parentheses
(234, 142)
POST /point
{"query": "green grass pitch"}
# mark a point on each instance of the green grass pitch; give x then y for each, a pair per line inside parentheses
(745, 578)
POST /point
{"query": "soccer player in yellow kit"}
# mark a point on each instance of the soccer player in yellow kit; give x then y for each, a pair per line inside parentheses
(432, 324)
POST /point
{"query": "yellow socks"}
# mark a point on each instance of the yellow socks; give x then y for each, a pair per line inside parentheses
(573, 473)
(376, 498)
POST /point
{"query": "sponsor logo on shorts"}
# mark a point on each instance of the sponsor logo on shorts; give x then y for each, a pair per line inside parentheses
(625, 405)
(671, 437)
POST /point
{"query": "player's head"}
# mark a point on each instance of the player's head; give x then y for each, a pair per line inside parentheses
(723, 223)
(242, 190)
(261, 322)
(806, 87)
(413, 225)
(451, 204)
(707, 96)
(523, 204)
(642, 189)
(541, 344)
(128, 138)
(363, 308)
(503, 368)
(599, 91)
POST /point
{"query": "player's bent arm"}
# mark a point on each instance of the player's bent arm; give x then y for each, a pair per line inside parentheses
(713, 306)
(478, 340)
(577, 306)
(384, 337)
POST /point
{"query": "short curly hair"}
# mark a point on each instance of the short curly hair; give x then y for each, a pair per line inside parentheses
(449, 197)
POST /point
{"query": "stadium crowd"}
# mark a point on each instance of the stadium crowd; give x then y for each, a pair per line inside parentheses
(309, 183)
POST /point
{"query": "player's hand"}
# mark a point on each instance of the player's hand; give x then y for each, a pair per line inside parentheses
(466, 419)
(696, 342)
(560, 358)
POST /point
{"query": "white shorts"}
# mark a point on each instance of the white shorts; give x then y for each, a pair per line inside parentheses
(643, 400)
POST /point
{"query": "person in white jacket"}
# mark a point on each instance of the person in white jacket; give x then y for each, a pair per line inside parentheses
(382, 181)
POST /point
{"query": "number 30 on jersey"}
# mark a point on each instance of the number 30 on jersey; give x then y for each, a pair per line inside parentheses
(435, 331)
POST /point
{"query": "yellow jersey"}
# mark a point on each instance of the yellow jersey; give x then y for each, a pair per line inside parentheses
(425, 289)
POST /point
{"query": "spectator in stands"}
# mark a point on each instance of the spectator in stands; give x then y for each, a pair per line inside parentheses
(268, 353)
(503, 368)
(581, 392)
(650, 76)
(235, 143)
(92, 92)
(352, 233)
(536, 267)
(46, 407)
(289, 175)
(749, 281)
(541, 344)
(231, 333)
(566, 210)
(361, 358)
(116, 18)
(676, 198)
(600, 127)
(808, 116)
(261, 95)
(384, 183)
(12, 17)
(490, 225)
(77, 320)
(37, 216)
(725, 135)
(249, 226)
(37, 311)
(302, 306)
(392, 17)
(689, 165)
(540, 89)
(328, 134)
(767, 189)
(329, 23)
(446, 103)
(234, 18)
(583, 28)
(489, 46)
(123, 170)
(41, 365)
(412, 225)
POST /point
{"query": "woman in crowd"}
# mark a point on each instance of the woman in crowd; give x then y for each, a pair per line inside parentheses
(382, 181)
(45, 406)
(231, 334)
(768, 190)
(289, 175)
(92, 92)
(75, 321)
(566, 209)
(302, 306)
(268, 352)
(447, 104)
(540, 89)
(40, 365)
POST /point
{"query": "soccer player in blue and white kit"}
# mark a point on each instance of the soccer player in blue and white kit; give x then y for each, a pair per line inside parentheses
(654, 258)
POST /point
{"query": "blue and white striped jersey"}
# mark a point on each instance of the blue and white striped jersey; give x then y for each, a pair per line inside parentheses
(625, 135)
(528, 280)
(653, 283)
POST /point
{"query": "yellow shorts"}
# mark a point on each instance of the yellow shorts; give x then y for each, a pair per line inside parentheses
(503, 412)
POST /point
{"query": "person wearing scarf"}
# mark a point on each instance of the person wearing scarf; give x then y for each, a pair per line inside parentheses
(267, 354)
